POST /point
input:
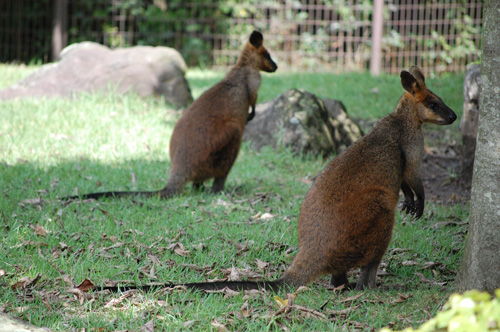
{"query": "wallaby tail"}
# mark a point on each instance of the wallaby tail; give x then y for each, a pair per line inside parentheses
(206, 286)
(113, 194)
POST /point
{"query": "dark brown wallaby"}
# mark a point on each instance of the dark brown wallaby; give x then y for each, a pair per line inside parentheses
(347, 217)
(206, 139)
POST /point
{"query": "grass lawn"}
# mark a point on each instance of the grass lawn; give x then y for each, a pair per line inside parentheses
(51, 147)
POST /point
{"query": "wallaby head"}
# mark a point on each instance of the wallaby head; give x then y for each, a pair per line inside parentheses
(431, 108)
(255, 55)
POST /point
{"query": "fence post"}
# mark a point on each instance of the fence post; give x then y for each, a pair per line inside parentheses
(60, 29)
(377, 25)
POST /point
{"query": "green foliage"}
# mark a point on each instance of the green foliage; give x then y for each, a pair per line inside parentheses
(210, 32)
(25, 31)
(473, 311)
(444, 52)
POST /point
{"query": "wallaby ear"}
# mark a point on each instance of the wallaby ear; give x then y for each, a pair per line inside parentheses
(409, 82)
(417, 73)
(256, 39)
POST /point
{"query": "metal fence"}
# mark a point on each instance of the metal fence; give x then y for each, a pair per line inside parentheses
(333, 35)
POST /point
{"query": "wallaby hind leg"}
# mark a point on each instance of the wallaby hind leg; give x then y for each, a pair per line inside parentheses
(368, 276)
(198, 186)
(174, 186)
(218, 184)
(339, 280)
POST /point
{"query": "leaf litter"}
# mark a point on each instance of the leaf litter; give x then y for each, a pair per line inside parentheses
(285, 311)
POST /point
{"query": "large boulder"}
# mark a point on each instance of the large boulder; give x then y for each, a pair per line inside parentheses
(469, 121)
(91, 67)
(303, 122)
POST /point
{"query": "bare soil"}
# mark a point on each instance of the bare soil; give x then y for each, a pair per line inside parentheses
(441, 173)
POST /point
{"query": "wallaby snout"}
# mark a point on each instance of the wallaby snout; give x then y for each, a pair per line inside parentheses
(271, 66)
(436, 111)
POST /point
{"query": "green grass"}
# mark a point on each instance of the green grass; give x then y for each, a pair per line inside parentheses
(50, 147)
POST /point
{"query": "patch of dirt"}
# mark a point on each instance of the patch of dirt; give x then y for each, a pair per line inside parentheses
(441, 174)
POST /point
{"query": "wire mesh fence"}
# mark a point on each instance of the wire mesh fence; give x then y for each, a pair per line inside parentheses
(333, 35)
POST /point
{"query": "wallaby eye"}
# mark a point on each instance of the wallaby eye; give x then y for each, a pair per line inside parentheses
(433, 106)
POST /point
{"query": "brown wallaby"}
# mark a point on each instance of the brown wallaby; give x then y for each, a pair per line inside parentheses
(207, 138)
(347, 217)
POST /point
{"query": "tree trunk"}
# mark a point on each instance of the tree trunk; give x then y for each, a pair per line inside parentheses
(480, 268)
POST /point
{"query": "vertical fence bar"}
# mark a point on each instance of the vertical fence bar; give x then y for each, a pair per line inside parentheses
(59, 31)
(377, 22)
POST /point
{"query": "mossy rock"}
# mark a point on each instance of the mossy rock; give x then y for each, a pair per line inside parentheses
(299, 120)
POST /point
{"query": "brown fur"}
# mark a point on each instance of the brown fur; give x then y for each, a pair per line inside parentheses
(207, 138)
(347, 217)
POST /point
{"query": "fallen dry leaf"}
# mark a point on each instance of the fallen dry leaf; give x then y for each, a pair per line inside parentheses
(261, 264)
(352, 298)
(86, 285)
(401, 298)
(149, 326)
(429, 281)
(30, 244)
(106, 213)
(198, 246)
(32, 201)
(309, 312)
(445, 224)
(220, 202)
(263, 216)
(409, 263)
(226, 291)
(306, 180)
(116, 245)
(115, 302)
(20, 310)
(188, 324)
(39, 230)
(56, 253)
(220, 327)
(238, 274)
(341, 313)
(282, 303)
(252, 293)
(179, 249)
(198, 268)
(79, 295)
(355, 326)
(26, 282)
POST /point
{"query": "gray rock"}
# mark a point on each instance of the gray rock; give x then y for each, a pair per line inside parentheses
(303, 122)
(91, 67)
(11, 324)
(469, 121)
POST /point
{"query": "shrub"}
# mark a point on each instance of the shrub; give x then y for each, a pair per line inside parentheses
(473, 311)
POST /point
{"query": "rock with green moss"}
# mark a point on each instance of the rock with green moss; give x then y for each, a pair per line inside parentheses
(473, 311)
(299, 120)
